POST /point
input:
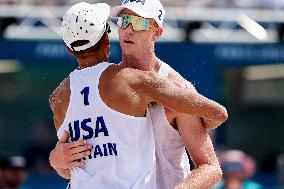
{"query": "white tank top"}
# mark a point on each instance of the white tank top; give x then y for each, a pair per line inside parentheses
(123, 154)
(172, 161)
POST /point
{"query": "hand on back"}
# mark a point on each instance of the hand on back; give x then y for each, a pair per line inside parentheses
(66, 155)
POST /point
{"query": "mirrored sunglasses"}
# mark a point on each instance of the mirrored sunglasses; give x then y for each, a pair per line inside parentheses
(138, 23)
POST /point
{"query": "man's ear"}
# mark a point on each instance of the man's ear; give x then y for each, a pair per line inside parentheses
(106, 39)
(157, 33)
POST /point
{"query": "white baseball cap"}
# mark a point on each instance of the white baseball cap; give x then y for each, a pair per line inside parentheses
(84, 21)
(144, 8)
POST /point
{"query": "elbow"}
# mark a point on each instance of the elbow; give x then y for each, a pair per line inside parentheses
(223, 114)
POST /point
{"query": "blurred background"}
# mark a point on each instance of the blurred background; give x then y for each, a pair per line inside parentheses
(231, 50)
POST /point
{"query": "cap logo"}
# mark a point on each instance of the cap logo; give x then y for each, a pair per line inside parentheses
(160, 15)
(136, 1)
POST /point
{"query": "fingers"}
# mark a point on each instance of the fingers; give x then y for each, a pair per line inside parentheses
(77, 143)
(65, 155)
(65, 137)
(80, 155)
(80, 149)
(76, 164)
(77, 150)
(72, 156)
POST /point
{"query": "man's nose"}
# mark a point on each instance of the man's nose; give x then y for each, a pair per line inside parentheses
(129, 29)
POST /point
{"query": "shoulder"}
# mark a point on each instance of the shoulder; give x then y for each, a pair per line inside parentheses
(138, 78)
(62, 90)
(131, 72)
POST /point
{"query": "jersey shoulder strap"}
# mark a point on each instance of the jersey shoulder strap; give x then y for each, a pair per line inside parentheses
(164, 69)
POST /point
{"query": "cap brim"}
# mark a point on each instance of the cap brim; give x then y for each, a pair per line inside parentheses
(116, 11)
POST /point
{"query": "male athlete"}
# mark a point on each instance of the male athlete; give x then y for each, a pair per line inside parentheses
(105, 105)
(140, 25)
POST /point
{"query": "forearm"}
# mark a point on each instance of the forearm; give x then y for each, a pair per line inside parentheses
(201, 106)
(207, 123)
(182, 100)
(197, 105)
(189, 102)
(203, 177)
(201, 150)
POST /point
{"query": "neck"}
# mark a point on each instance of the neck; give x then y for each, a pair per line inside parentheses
(90, 61)
(146, 61)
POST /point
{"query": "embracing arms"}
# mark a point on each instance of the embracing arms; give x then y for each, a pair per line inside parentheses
(65, 154)
(162, 90)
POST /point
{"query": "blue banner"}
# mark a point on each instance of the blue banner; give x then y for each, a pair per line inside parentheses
(199, 63)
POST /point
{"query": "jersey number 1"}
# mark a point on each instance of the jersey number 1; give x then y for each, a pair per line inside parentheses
(85, 92)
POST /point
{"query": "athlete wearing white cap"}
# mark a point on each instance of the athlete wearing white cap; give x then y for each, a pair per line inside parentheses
(85, 21)
(104, 105)
(144, 8)
(173, 131)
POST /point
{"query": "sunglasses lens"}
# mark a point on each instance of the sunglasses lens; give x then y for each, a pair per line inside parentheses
(138, 23)
(125, 21)
(122, 22)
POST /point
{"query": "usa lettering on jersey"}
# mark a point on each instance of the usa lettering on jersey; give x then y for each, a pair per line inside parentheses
(83, 129)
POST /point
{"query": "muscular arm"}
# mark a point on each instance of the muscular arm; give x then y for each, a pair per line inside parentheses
(59, 105)
(58, 102)
(200, 147)
(179, 81)
(65, 154)
(198, 144)
(183, 100)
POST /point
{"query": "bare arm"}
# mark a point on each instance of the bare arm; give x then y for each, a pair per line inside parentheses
(182, 100)
(65, 154)
(181, 82)
(59, 101)
(200, 147)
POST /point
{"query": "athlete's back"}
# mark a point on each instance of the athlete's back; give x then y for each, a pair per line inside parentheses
(123, 153)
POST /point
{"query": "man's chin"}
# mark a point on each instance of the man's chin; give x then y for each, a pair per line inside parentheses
(128, 51)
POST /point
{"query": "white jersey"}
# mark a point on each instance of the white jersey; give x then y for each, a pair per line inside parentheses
(172, 161)
(123, 154)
